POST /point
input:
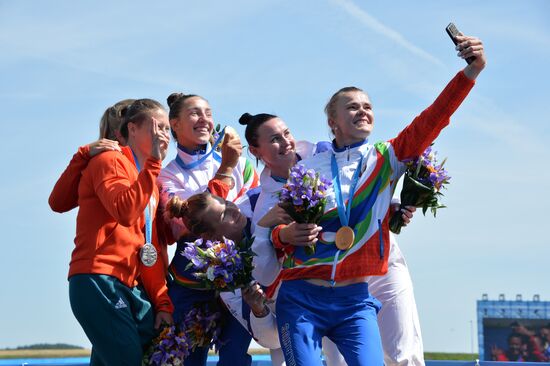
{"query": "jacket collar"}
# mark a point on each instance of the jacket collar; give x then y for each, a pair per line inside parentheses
(348, 147)
(199, 151)
(188, 156)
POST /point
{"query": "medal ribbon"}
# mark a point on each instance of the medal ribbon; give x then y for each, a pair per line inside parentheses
(148, 223)
(343, 212)
(198, 162)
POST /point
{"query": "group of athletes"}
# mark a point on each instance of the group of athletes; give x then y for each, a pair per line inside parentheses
(352, 300)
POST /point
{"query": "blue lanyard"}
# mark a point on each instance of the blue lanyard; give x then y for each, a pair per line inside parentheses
(194, 164)
(344, 213)
(279, 179)
(148, 224)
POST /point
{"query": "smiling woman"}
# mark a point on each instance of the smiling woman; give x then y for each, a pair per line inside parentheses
(364, 177)
(355, 110)
(198, 167)
(191, 119)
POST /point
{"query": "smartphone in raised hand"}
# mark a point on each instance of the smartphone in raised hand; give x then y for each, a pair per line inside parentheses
(453, 31)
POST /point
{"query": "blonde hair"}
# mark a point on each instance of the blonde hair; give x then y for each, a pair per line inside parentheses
(112, 119)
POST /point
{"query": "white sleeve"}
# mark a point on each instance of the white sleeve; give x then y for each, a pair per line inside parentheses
(395, 201)
(397, 165)
(265, 330)
(234, 302)
(170, 185)
(266, 264)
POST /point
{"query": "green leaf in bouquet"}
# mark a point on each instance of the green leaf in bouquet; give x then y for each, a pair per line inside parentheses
(210, 253)
(291, 210)
(310, 250)
(414, 193)
(418, 167)
(201, 251)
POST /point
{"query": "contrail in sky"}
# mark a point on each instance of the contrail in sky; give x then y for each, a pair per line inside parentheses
(375, 25)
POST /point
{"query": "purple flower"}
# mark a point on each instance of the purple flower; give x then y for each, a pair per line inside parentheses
(220, 264)
(425, 170)
(170, 347)
(432, 177)
(305, 188)
(202, 326)
(304, 195)
(191, 252)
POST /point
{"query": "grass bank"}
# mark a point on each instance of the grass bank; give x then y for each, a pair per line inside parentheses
(43, 353)
(450, 356)
(60, 353)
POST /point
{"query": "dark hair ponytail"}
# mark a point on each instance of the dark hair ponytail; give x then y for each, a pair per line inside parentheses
(253, 123)
(172, 98)
(246, 119)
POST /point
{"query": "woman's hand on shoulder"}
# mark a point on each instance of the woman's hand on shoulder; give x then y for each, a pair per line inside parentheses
(102, 145)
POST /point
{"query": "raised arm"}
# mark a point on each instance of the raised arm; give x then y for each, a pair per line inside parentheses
(471, 47)
(425, 128)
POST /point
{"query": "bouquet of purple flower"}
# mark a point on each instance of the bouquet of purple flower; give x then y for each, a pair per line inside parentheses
(203, 326)
(422, 184)
(303, 197)
(221, 265)
(169, 348)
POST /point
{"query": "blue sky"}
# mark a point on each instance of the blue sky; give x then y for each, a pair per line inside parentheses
(64, 62)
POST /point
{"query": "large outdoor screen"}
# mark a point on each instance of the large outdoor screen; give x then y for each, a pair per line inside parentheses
(509, 339)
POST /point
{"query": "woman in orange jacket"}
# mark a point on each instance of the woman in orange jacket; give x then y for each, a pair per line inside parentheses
(116, 241)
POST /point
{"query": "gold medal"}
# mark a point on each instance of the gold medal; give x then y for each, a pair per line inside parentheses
(344, 238)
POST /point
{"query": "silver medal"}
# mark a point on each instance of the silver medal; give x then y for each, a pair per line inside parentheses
(148, 254)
